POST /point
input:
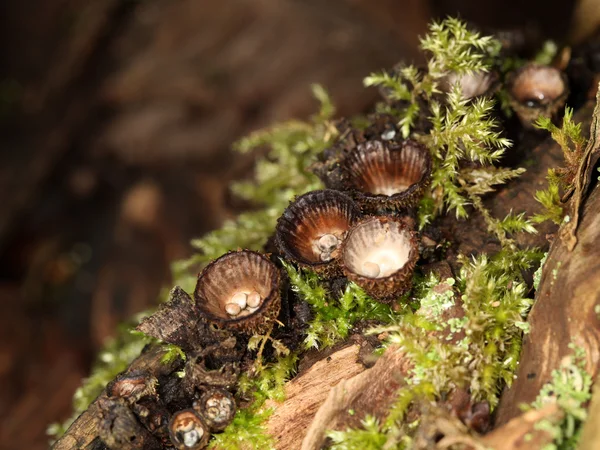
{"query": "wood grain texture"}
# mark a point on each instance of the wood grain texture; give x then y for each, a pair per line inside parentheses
(520, 432)
(306, 393)
(368, 393)
(563, 313)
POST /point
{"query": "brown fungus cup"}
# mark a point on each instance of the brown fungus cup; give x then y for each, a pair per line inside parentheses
(312, 228)
(217, 406)
(472, 85)
(388, 176)
(379, 254)
(241, 291)
(536, 90)
(188, 430)
(132, 387)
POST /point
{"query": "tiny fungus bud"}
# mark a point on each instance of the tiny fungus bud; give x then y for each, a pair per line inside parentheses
(133, 387)
(328, 243)
(325, 257)
(188, 430)
(217, 407)
(536, 90)
(371, 269)
(239, 298)
(233, 309)
(253, 299)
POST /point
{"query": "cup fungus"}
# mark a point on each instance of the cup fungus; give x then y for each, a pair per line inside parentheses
(217, 407)
(387, 175)
(536, 90)
(472, 85)
(312, 228)
(229, 286)
(188, 430)
(132, 387)
(379, 254)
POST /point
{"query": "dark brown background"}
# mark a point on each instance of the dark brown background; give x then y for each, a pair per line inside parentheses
(116, 119)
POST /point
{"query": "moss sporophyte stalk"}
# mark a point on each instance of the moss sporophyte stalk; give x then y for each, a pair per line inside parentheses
(350, 256)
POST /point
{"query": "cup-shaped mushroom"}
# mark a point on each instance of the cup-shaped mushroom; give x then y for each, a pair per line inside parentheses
(388, 176)
(229, 286)
(132, 386)
(537, 90)
(188, 430)
(379, 254)
(472, 84)
(312, 228)
(217, 407)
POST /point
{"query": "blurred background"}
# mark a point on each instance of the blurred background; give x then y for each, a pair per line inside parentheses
(116, 119)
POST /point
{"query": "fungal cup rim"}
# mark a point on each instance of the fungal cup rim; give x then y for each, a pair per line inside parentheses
(392, 146)
(273, 292)
(287, 249)
(412, 257)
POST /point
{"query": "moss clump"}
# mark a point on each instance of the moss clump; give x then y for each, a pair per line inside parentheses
(573, 144)
(369, 437)
(477, 352)
(248, 430)
(459, 129)
(570, 389)
(334, 318)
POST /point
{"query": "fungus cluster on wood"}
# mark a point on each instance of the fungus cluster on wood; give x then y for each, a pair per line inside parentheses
(359, 231)
(378, 252)
(537, 91)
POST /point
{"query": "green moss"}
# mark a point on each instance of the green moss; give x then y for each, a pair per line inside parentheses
(172, 353)
(546, 53)
(570, 389)
(247, 431)
(333, 318)
(461, 129)
(369, 437)
(495, 306)
(550, 201)
(573, 144)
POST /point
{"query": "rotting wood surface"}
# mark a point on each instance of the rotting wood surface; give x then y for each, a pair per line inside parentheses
(564, 312)
(306, 393)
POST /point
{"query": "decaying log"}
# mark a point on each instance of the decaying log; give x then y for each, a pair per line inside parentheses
(119, 428)
(307, 392)
(85, 430)
(521, 433)
(368, 393)
(564, 311)
(290, 421)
